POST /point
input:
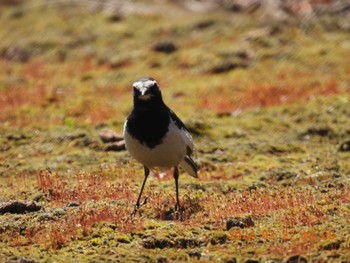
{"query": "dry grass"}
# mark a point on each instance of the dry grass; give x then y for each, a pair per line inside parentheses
(226, 99)
(103, 199)
(80, 80)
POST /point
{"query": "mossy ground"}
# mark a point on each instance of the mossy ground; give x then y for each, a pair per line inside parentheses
(267, 103)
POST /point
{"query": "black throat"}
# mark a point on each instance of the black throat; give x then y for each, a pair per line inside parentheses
(149, 121)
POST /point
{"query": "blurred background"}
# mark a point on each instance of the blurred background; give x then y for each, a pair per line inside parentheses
(77, 60)
(68, 65)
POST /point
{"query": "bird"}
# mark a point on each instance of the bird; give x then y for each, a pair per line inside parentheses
(156, 137)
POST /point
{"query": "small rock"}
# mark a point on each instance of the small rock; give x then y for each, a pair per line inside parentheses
(195, 254)
(296, 259)
(256, 185)
(218, 237)
(198, 127)
(116, 146)
(116, 17)
(322, 132)
(152, 243)
(239, 222)
(96, 242)
(17, 54)
(16, 137)
(164, 47)
(330, 245)
(39, 197)
(110, 136)
(187, 242)
(72, 137)
(58, 212)
(18, 207)
(11, 2)
(162, 260)
(344, 147)
(204, 24)
(21, 260)
(280, 175)
(123, 239)
(73, 204)
(227, 66)
(45, 216)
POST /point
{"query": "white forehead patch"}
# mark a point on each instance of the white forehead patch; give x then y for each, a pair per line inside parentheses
(143, 85)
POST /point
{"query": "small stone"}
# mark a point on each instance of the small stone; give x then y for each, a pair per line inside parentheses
(110, 136)
(218, 237)
(39, 197)
(16, 137)
(151, 243)
(73, 204)
(204, 24)
(116, 146)
(58, 212)
(195, 254)
(239, 222)
(330, 245)
(16, 53)
(322, 132)
(45, 216)
(344, 147)
(162, 260)
(296, 259)
(116, 17)
(21, 260)
(227, 66)
(18, 207)
(96, 242)
(165, 47)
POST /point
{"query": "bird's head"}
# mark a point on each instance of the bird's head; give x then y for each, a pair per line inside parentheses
(146, 92)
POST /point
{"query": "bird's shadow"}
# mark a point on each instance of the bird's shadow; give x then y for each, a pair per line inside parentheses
(167, 211)
(188, 208)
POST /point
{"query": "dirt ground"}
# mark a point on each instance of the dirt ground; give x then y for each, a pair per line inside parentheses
(263, 88)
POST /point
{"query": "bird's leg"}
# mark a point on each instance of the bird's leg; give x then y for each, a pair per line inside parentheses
(176, 177)
(138, 204)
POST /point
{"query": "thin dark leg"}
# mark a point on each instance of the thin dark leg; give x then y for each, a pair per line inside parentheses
(137, 204)
(176, 177)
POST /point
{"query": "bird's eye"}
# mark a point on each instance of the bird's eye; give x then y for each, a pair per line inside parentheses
(153, 89)
(136, 91)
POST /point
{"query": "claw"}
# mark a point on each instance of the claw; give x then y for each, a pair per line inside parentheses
(144, 201)
(178, 212)
(177, 207)
(137, 206)
(133, 213)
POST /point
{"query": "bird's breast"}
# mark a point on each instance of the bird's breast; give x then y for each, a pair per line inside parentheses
(169, 152)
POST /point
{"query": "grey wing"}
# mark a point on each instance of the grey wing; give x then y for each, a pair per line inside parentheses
(187, 164)
(189, 141)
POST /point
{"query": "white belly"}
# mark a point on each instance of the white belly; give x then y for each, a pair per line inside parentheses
(168, 154)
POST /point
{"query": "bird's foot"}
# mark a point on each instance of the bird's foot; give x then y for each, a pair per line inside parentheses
(178, 207)
(178, 212)
(133, 213)
(137, 206)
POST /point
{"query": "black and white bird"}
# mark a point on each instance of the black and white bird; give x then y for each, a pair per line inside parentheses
(156, 137)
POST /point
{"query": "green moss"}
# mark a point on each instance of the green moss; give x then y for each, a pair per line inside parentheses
(96, 241)
(123, 238)
(153, 224)
(269, 129)
(218, 237)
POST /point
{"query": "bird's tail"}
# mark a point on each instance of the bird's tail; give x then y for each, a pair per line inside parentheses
(189, 166)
